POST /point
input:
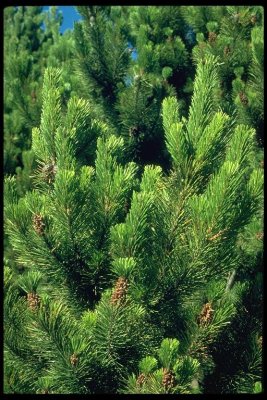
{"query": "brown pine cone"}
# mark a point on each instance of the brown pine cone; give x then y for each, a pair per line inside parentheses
(206, 314)
(212, 37)
(120, 291)
(49, 171)
(243, 98)
(134, 131)
(259, 235)
(253, 19)
(74, 360)
(141, 379)
(168, 379)
(226, 51)
(38, 224)
(33, 301)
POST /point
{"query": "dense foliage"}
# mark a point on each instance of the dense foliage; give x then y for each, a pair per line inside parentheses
(133, 200)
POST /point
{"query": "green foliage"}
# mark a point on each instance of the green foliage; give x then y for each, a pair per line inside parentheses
(235, 35)
(168, 352)
(102, 54)
(133, 225)
(123, 266)
(171, 374)
(148, 364)
(257, 387)
(26, 52)
(29, 282)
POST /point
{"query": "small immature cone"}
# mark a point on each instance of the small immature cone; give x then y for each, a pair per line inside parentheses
(206, 314)
(236, 17)
(253, 19)
(212, 37)
(120, 291)
(259, 235)
(141, 379)
(38, 224)
(49, 172)
(226, 51)
(33, 96)
(74, 360)
(168, 379)
(33, 301)
(243, 98)
(133, 131)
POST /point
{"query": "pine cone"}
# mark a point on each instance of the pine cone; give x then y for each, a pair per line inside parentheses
(205, 316)
(33, 301)
(38, 224)
(243, 98)
(226, 51)
(168, 379)
(260, 341)
(259, 235)
(33, 96)
(120, 291)
(141, 379)
(236, 17)
(212, 37)
(74, 360)
(133, 131)
(253, 19)
(49, 171)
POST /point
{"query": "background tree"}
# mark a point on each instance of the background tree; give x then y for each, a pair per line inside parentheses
(129, 89)
(235, 35)
(32, 42)
(23, 38)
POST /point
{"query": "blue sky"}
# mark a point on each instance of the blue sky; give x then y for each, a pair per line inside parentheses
(70, 15)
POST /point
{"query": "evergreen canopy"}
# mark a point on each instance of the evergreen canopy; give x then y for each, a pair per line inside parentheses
(123, 275)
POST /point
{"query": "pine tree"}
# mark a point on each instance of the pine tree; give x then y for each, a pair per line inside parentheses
(102, 56)
(23, 38)
(132, 276)
(129, 90)
(235, 35)
(31, 43)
